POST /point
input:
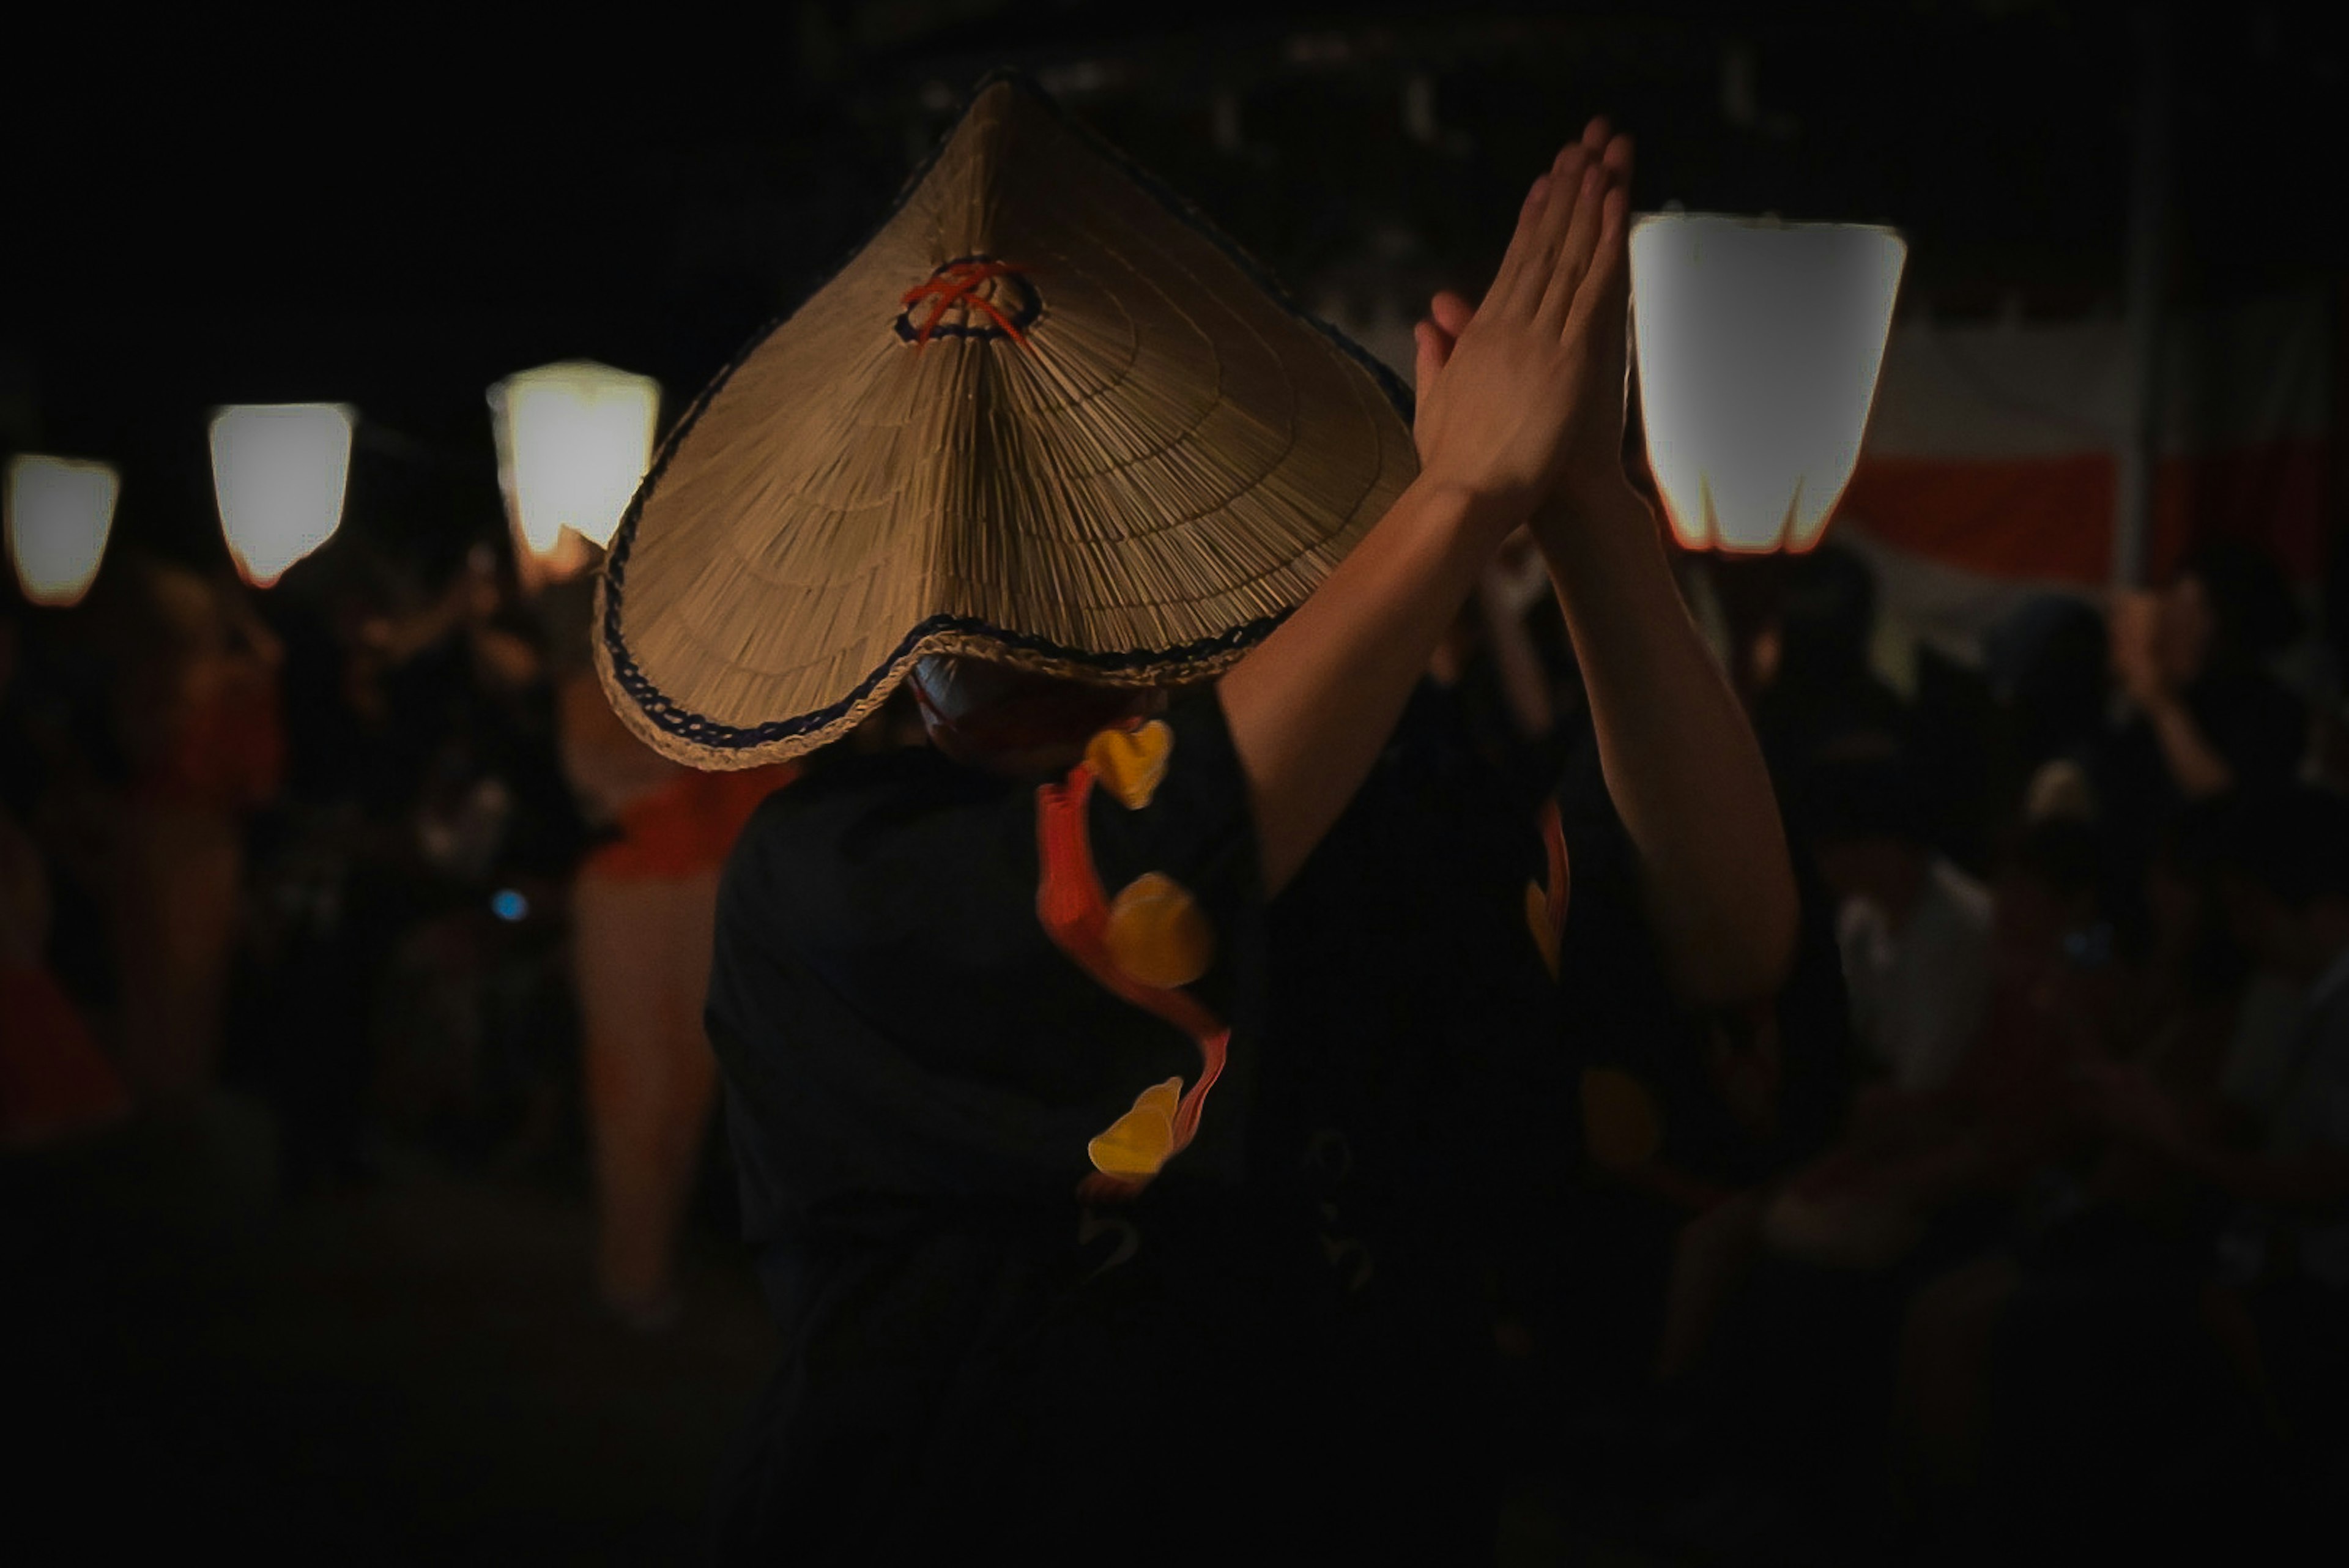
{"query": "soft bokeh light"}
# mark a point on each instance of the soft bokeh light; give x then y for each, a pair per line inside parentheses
(59, 513)
(574, 442)
(280, 471)
(1758, 348)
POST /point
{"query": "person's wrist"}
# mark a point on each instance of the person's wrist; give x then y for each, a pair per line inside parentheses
(1607, 499)
(1482, 511)
(1603, 514)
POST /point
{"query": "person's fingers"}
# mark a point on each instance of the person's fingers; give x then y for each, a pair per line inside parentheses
(1617, 159)
(1546, 224)
(1524, 264)
(1607, 285)
(1542, 238)
(1516, 259)
(1575, 250)
(1451, 311)
(1615, 164)
(1433, 349)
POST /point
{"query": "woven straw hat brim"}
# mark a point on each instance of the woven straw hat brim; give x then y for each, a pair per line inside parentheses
(1045, 415)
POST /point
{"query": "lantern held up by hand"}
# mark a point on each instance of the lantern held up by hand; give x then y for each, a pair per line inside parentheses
(1757, 344)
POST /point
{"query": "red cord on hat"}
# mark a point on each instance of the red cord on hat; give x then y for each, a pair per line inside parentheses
(956, 283)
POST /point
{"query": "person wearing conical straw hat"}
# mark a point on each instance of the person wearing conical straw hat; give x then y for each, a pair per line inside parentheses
(1130, 1087)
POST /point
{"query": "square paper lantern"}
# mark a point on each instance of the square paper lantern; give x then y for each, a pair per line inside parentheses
(1758, 345)
(573, 441)
(279, 471)
(59, 513)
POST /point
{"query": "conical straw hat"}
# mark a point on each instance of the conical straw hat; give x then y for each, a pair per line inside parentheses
(1045, 415)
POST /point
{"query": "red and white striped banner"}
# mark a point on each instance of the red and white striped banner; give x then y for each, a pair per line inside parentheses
(1991, 466)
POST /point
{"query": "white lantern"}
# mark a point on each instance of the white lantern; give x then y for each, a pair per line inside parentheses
(1758, 346)
(59, 513)
(573, 441)
(280, 471)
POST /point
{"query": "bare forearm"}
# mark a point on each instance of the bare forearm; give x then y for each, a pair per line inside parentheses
(1310, 709)
(1679, 757)
(2200, 772)
(1525, 396)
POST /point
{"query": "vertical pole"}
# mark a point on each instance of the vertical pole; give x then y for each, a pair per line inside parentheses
(2140, 435)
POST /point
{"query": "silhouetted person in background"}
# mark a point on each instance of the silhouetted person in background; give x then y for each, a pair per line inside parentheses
(2206, 716)
(197, 711)
(1814, 682)
(1915, 930)
(644, 907)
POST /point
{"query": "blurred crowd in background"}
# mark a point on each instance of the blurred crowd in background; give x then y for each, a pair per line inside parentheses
(2033, 1187)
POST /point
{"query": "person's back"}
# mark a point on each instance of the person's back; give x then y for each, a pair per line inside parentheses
(1297, 1297)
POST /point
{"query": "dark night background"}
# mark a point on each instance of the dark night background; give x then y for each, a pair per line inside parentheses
(394, 211)
(396, 218)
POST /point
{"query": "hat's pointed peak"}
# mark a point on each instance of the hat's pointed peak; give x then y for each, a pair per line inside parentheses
(955, 194)
(998, 101)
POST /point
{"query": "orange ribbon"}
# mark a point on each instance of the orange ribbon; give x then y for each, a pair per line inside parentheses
(1074, 912)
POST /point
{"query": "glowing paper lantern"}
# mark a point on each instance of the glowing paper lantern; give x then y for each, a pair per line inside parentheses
(574, 442)
(59, 513)
(279, 471)
(1759, 344)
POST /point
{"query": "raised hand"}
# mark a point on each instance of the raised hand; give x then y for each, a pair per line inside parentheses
(1526, 395)
(1679, 757)
(1522, 403)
